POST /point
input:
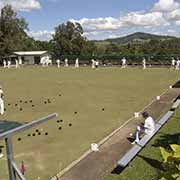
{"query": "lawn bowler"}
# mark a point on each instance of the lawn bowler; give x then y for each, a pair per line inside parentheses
(77, 63)
(58, 63)
(66, 62)
(173, 63)
(177, 64)
(93, 63)
(4, 63)
(123, 60)
(9, 64)
(20, 62)
(148, 127)
(1, 101)
(144, 63)
(17, 63)
(96, 64)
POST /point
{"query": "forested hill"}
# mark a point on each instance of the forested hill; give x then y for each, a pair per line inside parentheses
(138, 37)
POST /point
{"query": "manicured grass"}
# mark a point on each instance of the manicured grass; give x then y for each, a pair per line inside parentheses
(120, 92)
(147, 165)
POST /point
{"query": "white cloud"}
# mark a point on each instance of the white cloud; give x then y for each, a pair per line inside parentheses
(144, 19)
(21, 5)
(166, 6)
(41, 35)
(162, 14)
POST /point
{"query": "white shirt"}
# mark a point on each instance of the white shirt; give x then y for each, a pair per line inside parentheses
(97, 63)
(123, 61)
(1, 93)
(58, 61)
(178, 62)
(173, 62)
(149, 125)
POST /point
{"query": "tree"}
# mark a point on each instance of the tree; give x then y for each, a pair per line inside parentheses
(12, 31)
(171, 163)
(68, 39)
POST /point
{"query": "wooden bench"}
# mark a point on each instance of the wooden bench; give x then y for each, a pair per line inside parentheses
(131, 154)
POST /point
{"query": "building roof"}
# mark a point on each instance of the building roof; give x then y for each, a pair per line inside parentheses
(30, 53)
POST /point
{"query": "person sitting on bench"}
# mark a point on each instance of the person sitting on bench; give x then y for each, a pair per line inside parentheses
(147, 127)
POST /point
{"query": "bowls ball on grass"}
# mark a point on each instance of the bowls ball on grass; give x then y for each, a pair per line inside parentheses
(61, 120)
(19, 139)
(103, 109)
(29, 135)
(39, 133)
(33, 105)
(60, 128)
(75, 112)
(46, 133)
(37, 130)
(70, 124)
(34, 134)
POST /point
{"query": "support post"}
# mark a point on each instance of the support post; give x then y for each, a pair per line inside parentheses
(10, 158)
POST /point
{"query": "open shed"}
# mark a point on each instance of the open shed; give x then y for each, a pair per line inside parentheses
(31, 57)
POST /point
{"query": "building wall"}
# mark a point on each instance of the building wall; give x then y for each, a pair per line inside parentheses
(29, 59)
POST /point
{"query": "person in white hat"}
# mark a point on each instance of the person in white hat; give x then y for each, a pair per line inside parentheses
(93, 63)
(173, 63)
(20, 62)
(9, 64)
(177, 64)
(66, 62)
(17, 63)
(123, 62)
(58, 63)
(1, 101)
(144, 63)
(5, 63)
(77, 63)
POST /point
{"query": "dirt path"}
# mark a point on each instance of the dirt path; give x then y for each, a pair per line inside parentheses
(96, 165)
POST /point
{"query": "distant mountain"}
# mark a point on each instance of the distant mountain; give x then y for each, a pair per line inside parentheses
(137, 37)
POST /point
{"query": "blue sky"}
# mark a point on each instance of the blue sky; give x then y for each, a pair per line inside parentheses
(100, 18)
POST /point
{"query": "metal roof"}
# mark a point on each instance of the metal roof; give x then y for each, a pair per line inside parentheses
(29, 53)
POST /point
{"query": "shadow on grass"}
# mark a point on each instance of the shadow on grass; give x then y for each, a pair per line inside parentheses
(117, 170)
(154, 163)
(166, 139)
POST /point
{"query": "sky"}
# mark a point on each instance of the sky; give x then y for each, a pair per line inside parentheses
(100, 19)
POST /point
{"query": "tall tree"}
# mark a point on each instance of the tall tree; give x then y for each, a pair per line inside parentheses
(68, 39)
(12, 31)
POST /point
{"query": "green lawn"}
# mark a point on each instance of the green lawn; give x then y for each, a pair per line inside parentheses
(147, 166)
(120, 92)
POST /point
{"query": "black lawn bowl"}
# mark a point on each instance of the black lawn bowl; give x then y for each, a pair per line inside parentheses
(25, 102)
(59, 94)
(19, 139)
(75, 112)
(34, 134)
(103, 109)
(61, 120)
(5, 109)
(9, 104)
(16, 104)
(20, 109)
(45, 102)
(29, 135)
(37, 130)
(58, 121)
(60, 128)
(30, 101)
(32, 105)
(20, 101)
(46, 133)
(39, 133)
(70, 124)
